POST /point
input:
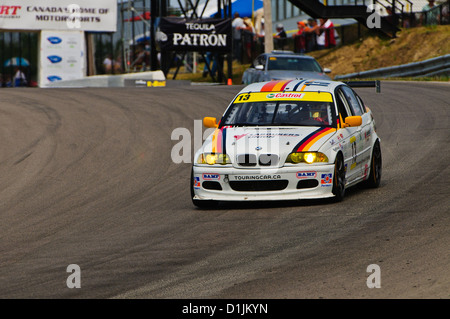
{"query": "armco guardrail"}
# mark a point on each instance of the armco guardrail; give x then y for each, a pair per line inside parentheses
(432, 67)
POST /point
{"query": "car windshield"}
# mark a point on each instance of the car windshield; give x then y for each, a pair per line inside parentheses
(279, 113)
(293, 64)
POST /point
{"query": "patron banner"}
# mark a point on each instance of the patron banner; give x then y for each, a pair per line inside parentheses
(62, 56)
(180, 34)
(82, 15)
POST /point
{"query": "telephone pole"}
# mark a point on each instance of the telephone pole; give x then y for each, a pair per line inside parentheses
(268, 36)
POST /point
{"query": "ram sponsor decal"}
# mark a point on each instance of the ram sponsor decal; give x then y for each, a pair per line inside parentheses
(309, 174)
(326, 179)
(211, 177)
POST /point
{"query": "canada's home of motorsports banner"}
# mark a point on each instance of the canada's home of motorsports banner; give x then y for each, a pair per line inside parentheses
(82, 15)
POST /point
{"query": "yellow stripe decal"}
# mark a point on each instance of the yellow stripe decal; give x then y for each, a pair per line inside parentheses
(285, 96)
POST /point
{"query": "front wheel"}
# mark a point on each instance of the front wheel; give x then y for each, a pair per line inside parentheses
(339, 178)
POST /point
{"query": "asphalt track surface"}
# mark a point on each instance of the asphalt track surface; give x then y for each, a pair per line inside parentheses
(87, 178)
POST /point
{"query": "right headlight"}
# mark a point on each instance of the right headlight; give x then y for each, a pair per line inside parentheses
(306, 157)
(213, 158)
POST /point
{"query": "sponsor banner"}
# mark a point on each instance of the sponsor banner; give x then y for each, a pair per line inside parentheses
(180, 34)
(82, 15)
(61, 56)
(284, 96)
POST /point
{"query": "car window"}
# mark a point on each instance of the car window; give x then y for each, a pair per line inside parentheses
(352, 101)
(293, 64)
(343, 107)
(303, 113)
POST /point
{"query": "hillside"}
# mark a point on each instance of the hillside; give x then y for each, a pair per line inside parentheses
(411, 45)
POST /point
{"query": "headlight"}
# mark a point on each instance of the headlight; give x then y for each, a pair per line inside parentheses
(213, 158)
(307, 157)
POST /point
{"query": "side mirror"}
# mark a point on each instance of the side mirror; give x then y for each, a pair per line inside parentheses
(326, 70)
(352, 121)
(259, 67)
(210, 122)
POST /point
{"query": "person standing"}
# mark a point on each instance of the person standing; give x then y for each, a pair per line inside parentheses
(280, 37)
(430, 13)
(326, 38)
(237, 25)
(299, 38)
(311, 32)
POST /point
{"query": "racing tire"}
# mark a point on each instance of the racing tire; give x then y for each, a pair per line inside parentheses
(374, 179)
(200, 203)
(339, 178)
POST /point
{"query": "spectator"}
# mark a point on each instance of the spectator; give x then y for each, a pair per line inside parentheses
(299, 38)
(142, 60)
(280, 37)
(107, 64)
(327, 36)
(311, 32)
(210, 57)
(445, 14)
(248, 34)
(260, 35)
(430, 13)
(19, 78)
(237, 25)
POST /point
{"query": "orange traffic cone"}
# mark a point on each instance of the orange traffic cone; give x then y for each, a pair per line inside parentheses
(230, 82)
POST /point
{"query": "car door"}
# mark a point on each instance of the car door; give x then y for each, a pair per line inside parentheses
(348, 137)
(362, 150)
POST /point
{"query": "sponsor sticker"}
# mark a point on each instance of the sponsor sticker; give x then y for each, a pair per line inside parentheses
(54, 40)
(309, 174)
(211, 177)
(256, 177)
(285, 95)
(326, 179)
(54, 58)
(196, 182)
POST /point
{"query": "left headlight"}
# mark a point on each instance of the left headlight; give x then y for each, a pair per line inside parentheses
(306, 157)
(213, 158)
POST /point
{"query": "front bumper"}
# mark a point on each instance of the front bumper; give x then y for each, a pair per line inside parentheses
(236, 184)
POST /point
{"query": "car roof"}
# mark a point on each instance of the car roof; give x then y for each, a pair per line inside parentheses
(294, 85)
(288, 54)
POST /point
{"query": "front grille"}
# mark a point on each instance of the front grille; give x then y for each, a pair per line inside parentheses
(258, 186)
(212, 185)
(268, 160)
(247, 159)
(307, 183)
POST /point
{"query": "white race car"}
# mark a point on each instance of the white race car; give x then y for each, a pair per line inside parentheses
(288, 140)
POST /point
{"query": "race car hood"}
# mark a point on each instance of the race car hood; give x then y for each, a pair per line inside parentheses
(280, 141)
(282, 75)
